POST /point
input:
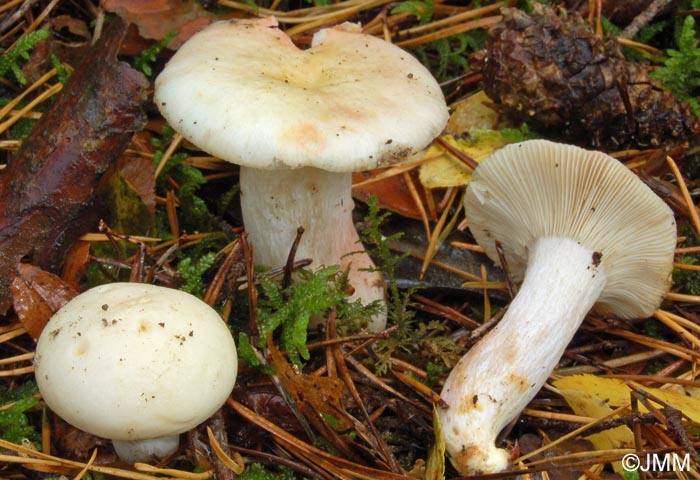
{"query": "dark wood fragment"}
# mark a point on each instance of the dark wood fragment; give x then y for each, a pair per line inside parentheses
(46, 191)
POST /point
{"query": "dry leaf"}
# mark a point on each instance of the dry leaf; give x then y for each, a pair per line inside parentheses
(441, 169)
(76, 263)
(73, 26)
(392, 193)
(595, 396)
(435, 466)
(323, 395)
(156, 18)
(473, 128)
(36, 295)
(473, 113)
(586, 404)
(615, 393)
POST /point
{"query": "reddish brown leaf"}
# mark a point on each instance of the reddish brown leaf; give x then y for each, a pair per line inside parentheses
(156, 18)
(312, 394)
(47, 188)
(75, 266)
(392, 193)
(72, 25)
(36, 295)
(139, 173)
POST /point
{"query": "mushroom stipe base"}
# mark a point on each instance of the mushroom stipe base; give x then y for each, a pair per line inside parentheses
(498, 377)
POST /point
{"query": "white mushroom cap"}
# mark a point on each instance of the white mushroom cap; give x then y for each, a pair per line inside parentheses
(242, 91)
(538, 188)
(128, 361)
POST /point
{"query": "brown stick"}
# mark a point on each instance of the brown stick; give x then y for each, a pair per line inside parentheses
(644, 18)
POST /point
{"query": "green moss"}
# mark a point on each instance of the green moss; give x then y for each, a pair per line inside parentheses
(287, 311)
(256, 471)
(14, 423)
(192, 269)
(150, 55)
(681, 69)
(11, 59)
(687, 280)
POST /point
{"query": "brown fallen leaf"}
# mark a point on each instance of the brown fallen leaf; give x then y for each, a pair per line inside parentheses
(36, 295)
(313, 395)
(46, 191)
(392, 193)
(76, 263)
(156, 18)
(75, 27)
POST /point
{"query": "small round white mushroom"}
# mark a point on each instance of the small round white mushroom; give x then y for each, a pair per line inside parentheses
(580, 231)
(135, 363)
(242, 91)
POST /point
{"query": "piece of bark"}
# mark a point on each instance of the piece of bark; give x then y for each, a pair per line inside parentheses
(46, 191)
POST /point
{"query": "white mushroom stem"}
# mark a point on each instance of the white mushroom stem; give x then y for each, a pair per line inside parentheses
(144, 451)
(276, 203)
(499, 376)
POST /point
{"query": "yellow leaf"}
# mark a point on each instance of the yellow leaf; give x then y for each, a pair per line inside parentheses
(595, 396)
(473, 113)
(435, 466)
(616, 393)
(443, 170)
(581, 394)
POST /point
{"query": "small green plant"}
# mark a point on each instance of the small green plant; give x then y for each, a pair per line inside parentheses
(287, 311)
(379, 248)
(195, 214)
(62, 71)
(10, 60)
(14, 423)
(398, 301)
(681, 69)
(192, 269)
(144, 61)
(421, 9)
(447, 57)
(688, 280)
(21, 128)
(255, 471)
(411, 337)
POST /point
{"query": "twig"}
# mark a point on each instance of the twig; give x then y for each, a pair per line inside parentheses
(686, 195)
(340, 463)
(289, 265)
(376, 440)
(457, 153)
(448, 32)
(644, 18)
(19, 13)
(234, 257)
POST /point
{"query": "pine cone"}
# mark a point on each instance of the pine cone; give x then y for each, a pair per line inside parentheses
(550, 70)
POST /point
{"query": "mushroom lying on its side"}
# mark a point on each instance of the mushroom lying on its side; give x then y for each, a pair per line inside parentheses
(581, 231)
(299, 122)
(137, 364)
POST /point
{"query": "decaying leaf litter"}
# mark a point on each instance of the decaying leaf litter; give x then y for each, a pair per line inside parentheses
(150, 207)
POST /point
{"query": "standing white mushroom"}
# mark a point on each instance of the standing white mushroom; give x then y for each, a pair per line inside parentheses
(242, 91)
(580, 231)
(135, 363)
